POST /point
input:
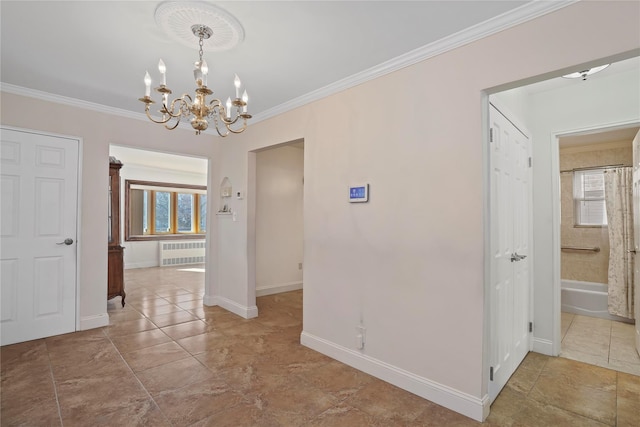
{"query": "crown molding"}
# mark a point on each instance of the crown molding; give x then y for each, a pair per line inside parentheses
(499, 23)
(72, 102)
(524, 13)
(78, 103)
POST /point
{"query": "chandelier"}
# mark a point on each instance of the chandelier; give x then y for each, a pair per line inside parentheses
(230, 117)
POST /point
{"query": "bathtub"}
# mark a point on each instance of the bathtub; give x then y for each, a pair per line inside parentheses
(586, 299)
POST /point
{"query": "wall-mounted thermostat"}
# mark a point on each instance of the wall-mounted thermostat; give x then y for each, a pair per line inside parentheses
(359, 193)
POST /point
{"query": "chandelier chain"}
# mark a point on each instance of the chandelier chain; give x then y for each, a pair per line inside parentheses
(200, 43)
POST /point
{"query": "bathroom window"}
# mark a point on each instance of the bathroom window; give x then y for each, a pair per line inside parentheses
(588, 197)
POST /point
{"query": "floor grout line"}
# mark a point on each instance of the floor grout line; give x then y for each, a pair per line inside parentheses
(53, 381)
(138, 379)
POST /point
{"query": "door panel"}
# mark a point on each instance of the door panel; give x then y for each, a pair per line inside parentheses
(48, 286)
(9, 277)
(509, 234)
(39, 210)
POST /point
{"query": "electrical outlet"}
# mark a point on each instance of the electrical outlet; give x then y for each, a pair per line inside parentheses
(299, 266)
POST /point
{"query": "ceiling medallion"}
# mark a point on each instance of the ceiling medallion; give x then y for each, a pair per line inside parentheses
(176, 19)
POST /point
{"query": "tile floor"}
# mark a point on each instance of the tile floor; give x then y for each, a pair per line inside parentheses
(600, 342)
(166, 360)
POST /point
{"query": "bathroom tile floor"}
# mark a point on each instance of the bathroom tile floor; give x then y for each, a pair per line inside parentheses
(606, 343)
(167, 360)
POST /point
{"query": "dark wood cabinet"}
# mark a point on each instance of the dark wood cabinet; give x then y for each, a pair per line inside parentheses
(116, 252)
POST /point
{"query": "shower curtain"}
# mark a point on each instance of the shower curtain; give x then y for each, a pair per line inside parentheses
(619, 201)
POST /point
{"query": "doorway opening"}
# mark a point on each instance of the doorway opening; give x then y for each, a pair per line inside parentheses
(590, 333)
(164, 216)
(276, 221)
(552, 108)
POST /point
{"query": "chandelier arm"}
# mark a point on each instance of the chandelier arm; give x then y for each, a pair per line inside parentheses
(220, 133)
(229, 122)
(174, 126)
(242, 129)
(162, 121)
(183, 106)
(213, 108)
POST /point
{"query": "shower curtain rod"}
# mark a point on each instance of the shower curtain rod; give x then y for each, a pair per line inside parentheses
(595, 167)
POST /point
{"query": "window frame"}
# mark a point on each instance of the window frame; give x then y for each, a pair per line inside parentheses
(173, 234)
(577, 217)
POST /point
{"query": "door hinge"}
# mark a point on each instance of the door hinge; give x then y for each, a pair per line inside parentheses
(491, 373)
(490, 134)
(530, 326)
(530, 161)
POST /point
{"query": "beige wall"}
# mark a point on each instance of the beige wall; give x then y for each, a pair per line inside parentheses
(583, 265)
(410, 264)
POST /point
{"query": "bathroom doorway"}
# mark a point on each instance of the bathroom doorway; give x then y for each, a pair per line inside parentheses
(561, 107)
(590, 333)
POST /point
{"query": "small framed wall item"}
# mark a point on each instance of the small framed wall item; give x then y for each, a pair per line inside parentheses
(359, 193)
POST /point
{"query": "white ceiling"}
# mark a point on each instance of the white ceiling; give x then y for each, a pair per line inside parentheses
(98, 51)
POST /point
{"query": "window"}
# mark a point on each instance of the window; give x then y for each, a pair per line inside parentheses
(185, 212)
(203, 212)
(157, 210)
(588, 198)
(162, 211)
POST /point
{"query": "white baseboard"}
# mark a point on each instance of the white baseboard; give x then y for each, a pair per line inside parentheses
(543, 346)
(276, 289)
(232, 306)
(463, 403)
(92, 322)
(146, 264)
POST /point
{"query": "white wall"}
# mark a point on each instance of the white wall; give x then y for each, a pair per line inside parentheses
(279, 220)
(142, 254)
(409, 265)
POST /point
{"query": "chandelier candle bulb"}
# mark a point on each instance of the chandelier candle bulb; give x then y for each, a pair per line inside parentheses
(228, 107)
(163, 72)
(245, 99)
(236, 83)
(147, 84)
(205, 70)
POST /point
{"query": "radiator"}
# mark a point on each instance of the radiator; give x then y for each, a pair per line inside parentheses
(181, 253)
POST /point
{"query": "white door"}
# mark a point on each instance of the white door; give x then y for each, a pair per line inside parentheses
(636, 234)
(510, 231)
(39, 181)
